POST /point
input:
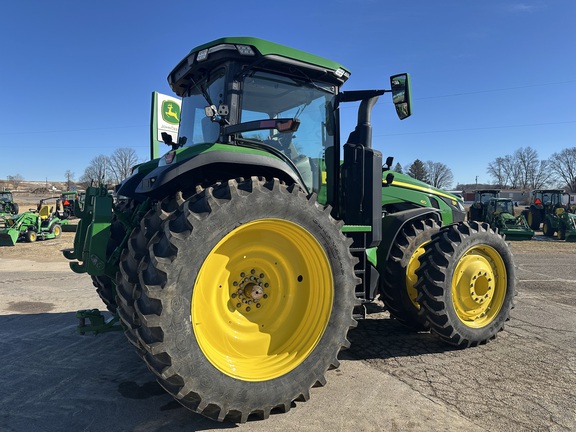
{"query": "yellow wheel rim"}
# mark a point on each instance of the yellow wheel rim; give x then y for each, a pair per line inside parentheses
(56, 231)
(411, 277)
(479, 286)
(262, 300)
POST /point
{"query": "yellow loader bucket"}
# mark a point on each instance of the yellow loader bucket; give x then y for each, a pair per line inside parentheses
(8, 236)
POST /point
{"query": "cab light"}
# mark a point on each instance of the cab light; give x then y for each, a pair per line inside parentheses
(245, 50)
(202, 55)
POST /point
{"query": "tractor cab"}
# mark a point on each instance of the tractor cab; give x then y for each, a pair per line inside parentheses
(478, 210)
(252, 107)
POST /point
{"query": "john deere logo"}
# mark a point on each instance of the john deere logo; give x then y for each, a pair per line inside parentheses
(170, 112)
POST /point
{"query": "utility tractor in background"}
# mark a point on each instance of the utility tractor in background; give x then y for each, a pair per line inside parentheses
(238, 261)
(477, 211)
(8, 206)
(41, 224)
(543, 202)
(500, 215)
(68, 200)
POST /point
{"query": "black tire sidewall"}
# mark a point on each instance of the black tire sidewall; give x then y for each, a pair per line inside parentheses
(396, 283)
(490, 330)
(179, 339)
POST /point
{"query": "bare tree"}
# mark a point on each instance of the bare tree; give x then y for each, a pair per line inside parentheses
(439, 175)
(97, 171)
(541, 176)
(69, 175)
(496, 169)
(512, 168)
(121, 163)
(507, 171)
(15, 180)
(521, 170)
(563, 166)
(533, 172)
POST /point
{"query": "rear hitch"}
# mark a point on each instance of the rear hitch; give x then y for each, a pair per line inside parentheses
(98, 324)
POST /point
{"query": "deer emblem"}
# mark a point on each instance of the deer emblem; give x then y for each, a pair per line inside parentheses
(171, 113)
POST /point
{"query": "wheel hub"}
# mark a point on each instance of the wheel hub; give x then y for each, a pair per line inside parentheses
(250, 290)
(479, 286)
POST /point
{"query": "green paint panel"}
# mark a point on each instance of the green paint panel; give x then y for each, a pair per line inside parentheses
(271, 48)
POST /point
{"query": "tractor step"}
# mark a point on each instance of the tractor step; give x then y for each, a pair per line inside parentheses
(98, 324)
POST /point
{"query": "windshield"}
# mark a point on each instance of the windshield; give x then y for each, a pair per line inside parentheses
(195, 126)
(503, 207)
(268, 96)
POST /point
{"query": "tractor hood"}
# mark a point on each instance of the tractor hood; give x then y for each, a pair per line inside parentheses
(407, 182)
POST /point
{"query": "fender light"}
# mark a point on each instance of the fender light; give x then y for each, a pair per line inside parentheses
(169, 157)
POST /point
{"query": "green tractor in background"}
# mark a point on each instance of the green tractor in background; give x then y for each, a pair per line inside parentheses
(239, 260)
(543, 202)
(30, 226)
(477, 211)
(562, 222)
(68, 200)
(8, 206)
(551, 208)
(500, 215)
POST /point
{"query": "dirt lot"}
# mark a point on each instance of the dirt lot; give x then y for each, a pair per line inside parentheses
(390, 379)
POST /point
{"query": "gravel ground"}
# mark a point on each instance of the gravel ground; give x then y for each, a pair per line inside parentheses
(390, 379)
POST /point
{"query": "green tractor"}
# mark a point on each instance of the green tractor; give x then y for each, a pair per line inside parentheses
(561, 221)
(543, 202)
(68, 200)
(500, 215)
(30, 226)
(7, 205)
(477, 211)
(238, 261)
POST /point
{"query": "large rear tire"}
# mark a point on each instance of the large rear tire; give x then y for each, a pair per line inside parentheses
(246, 299)
(466, 283)
(127, 278)
(534, 219)
(397, 287)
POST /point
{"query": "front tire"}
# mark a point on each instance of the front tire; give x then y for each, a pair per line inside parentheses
(397, 287)
(56, 229)
(31, 236)
(547, 228)
(246, 299)
(466, 283)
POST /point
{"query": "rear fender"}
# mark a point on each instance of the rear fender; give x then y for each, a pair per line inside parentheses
(212, 166)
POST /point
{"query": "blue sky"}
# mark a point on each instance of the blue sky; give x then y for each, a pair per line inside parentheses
(488, 77)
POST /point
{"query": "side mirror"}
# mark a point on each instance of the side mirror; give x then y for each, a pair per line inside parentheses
(401, 95)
